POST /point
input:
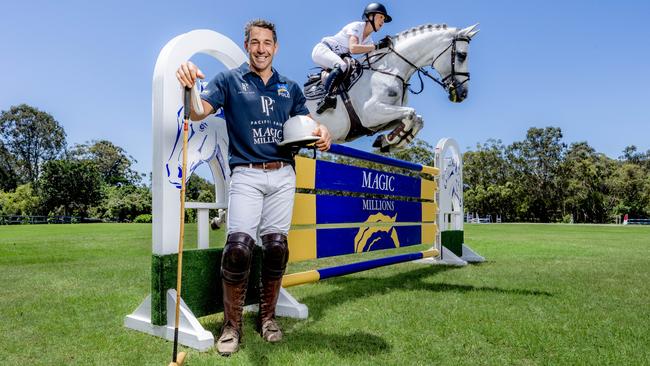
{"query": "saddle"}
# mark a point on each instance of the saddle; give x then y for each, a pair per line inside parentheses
(314, 88)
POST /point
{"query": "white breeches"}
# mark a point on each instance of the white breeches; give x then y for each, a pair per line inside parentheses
(326, 58)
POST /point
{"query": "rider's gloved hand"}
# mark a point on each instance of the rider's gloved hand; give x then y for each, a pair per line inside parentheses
(383, 43)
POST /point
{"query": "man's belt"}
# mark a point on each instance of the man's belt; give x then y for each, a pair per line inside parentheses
(269, 165)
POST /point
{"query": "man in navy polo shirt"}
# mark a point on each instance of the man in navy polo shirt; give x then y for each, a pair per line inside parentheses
(256, 100)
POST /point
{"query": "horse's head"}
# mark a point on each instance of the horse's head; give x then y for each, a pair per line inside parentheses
(435, 45)
(207, 140)
(452, 63)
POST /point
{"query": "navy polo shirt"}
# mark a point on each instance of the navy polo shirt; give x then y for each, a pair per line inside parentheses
(255, 113)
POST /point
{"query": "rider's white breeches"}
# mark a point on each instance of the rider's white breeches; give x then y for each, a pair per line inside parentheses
(326, 58)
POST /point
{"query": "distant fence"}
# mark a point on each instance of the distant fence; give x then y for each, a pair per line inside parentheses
(475, 218)
(636, 222)
(19, 220)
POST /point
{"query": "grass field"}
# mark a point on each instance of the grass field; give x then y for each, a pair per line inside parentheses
(548, 295)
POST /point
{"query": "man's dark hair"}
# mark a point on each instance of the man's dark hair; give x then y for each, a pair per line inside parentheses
(262, 24)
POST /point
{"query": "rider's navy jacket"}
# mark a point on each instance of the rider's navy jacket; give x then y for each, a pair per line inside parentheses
(255, 113)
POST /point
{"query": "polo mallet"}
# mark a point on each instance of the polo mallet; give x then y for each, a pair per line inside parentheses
(179, 358)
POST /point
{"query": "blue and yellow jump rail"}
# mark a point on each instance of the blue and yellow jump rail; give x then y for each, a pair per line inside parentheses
(364, 155)
(316, 275)
(355, 209)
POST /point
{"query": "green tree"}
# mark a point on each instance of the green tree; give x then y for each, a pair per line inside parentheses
(586, 191)
(486, 176)
(630, 155)
(199, 190)
(630, 188)
(23, 201)
(123, 203)
(419, 151)
(487, 165)
(72, 186)
(32, 137)
(537, 174)
(8, 179)
(113, 163)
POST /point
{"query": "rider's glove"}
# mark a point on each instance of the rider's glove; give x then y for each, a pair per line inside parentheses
(383, 43)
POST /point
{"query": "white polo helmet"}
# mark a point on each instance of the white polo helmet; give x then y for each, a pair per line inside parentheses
(298, 131)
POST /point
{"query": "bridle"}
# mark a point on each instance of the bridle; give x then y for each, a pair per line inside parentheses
(449, 82)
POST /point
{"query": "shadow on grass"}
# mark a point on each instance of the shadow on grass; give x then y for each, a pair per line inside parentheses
(301, 340)
(350, 289)
(305, 341)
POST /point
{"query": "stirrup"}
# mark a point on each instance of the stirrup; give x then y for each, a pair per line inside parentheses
(329, 101)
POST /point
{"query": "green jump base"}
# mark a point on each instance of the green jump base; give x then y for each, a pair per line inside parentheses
(201, 282)
(453, 240)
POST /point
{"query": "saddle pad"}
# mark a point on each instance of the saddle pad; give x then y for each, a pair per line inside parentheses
(314, 89)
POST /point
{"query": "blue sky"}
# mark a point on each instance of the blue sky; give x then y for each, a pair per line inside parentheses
(579, 65)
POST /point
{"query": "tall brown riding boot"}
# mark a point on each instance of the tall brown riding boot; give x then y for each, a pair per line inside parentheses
(269, 328)
(274, 262)
(235, 269)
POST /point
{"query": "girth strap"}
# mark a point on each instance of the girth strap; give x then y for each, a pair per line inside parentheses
(356, 128)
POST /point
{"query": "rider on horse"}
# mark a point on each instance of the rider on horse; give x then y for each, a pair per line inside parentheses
(354, 38)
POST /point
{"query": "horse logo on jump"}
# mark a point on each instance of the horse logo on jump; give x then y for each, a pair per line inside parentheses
(376, 237)
(207, 143)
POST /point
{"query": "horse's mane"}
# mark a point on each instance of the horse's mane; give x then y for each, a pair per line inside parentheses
(421, 28)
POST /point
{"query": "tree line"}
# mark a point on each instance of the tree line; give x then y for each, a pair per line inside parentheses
(40, 175)
(538, 179)
(542, 179)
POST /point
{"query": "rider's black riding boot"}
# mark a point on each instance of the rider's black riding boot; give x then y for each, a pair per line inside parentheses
(333, 80)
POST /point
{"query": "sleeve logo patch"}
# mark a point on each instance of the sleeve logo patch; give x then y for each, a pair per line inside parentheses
(283, 91)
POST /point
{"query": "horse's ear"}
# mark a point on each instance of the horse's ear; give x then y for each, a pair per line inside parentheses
(469, 31)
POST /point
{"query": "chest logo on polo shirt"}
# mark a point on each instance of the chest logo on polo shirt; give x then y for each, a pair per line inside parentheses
(267, 105)
(245, 88)
(268, 134)
(283, 90)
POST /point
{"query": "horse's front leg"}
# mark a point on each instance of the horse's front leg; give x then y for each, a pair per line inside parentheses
(408, 124)
(379, 114)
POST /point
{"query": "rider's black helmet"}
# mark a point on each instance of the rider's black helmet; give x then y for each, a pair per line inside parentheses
(376, 8)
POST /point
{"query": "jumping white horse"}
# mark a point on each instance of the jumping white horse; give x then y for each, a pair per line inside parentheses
(379, 96)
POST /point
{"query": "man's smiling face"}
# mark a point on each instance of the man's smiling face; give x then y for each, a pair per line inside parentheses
(261, 48)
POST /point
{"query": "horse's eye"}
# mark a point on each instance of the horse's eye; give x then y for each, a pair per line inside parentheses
(462, 56)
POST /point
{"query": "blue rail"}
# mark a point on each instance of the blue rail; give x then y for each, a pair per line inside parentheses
(360, 154)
